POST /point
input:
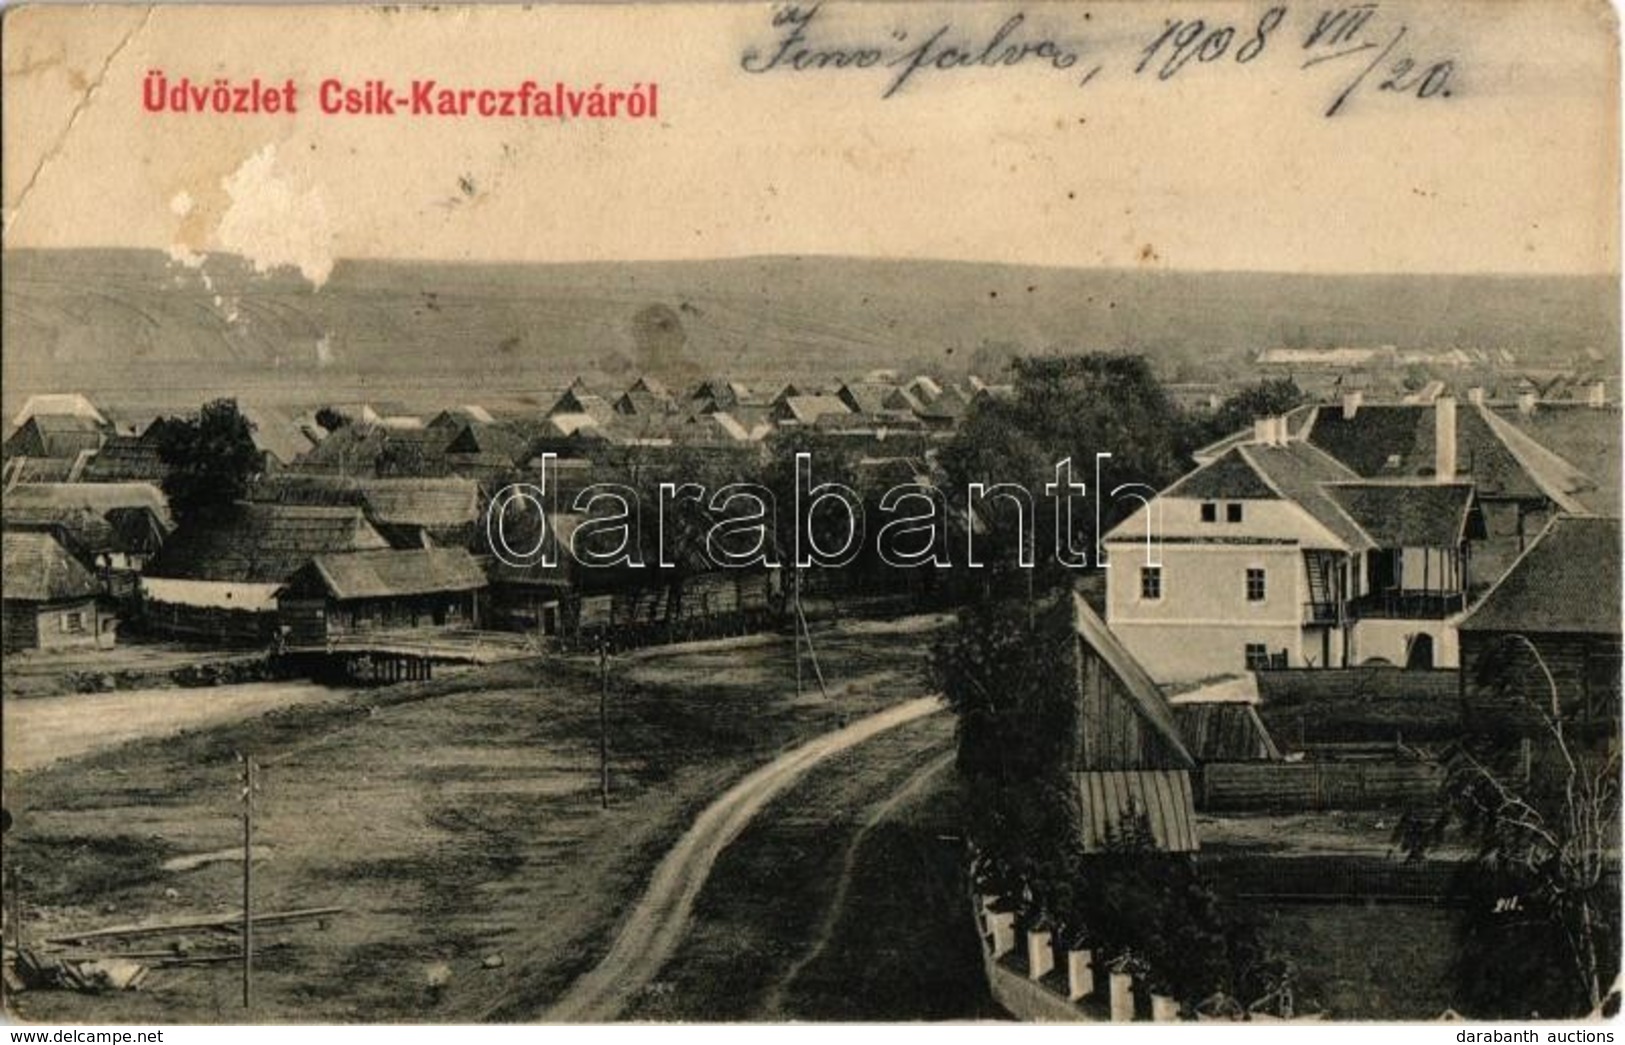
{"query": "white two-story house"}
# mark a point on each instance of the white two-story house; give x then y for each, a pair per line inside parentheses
(1274, 554)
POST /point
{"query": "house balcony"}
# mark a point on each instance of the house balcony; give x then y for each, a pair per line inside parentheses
(1407, 605)
(1321, 614)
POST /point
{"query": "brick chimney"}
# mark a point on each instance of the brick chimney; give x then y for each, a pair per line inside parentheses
(1444, 439)
(1351, 404)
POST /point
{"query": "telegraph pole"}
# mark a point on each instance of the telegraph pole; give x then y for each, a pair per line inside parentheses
(603, 720)
(250, 784)
(796, 570)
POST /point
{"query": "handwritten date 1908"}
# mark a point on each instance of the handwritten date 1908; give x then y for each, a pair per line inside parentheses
(1181, 41)
(1337, 34)
(1371, 54)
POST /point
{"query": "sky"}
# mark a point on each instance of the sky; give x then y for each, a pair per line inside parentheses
(1512, 166)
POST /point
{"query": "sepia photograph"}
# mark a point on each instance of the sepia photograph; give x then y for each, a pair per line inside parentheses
(954, 511)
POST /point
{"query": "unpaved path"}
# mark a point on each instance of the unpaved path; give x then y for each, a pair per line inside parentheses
(656, 925)
(911, 789)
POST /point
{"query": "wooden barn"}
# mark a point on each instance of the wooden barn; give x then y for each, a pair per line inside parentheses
(1129, 760)
(1556, 610)
(218, 577)
(50, 598)
(350, 593)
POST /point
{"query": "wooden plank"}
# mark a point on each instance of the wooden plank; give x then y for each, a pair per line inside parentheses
(208, 921)
(1167, 813)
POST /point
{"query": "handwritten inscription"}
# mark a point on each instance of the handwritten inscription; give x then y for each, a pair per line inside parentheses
(1369, 52)
(942, 50)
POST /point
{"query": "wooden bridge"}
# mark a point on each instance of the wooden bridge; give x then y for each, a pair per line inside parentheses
(407, 654)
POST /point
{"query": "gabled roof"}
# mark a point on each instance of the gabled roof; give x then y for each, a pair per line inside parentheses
(1567, 581)
(505, 439)
(261, 543)
(950, 403)
(138, 530)
(579, 401)
(869, 397)
(1396, 441)
(357, 449)
(646, 385)
(386, 574)
(1586, 436)
(1559, 480)
(1232, 476)
(441, 502)
(56, 435)
(34, 567)
(1408, 515)
(570, 424)
(1303, 474)
(925, 388)
(808, 409)
(57, 404)
(97, 497)
(637, 401)
(454, 417)
(126, 457)
(84, 533)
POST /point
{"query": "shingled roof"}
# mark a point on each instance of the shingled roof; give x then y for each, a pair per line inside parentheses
(1396, 441)
(100, 498)
(262, 543)
(36, 568)
(1567, 581)
(1408, 515)
(1303, 474)
(387, 574)
(1231, 477)
(125, 458)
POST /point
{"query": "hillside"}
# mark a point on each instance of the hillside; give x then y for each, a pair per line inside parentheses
(134, 323)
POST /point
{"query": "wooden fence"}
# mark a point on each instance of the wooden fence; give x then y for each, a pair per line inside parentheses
(1298, 786)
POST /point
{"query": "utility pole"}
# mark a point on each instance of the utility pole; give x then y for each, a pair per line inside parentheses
(603, 720)
(796, 571)
(250, 784)
(14, 902)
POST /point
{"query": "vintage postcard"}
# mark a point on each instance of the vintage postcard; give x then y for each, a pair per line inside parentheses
(996, 510)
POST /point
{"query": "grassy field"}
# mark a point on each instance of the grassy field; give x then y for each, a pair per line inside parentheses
(1365, 962)
(844, 900)
(453, 820)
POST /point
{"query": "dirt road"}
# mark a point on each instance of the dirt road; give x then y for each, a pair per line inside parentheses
(651, 933)
(912, 788)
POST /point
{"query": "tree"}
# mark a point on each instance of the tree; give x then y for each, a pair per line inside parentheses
(211, 459)
(1001, 671)
(1066, 407)
(1541, 934)
(1269, 398)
